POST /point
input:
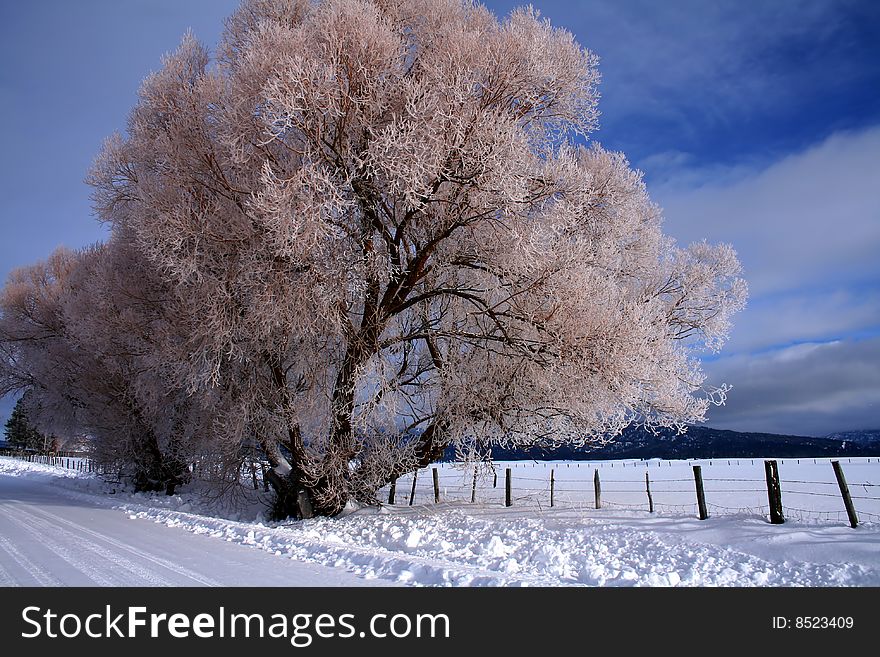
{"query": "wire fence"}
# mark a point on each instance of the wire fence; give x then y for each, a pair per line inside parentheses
(71, 461)
(653, 490)
(545, 486)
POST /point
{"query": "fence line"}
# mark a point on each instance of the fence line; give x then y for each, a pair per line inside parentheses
(562, 492)
(578, 493)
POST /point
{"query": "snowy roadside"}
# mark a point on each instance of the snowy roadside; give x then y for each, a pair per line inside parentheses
(463, 544)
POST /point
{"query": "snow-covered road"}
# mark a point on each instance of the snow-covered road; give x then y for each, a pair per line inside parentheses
(47, 539)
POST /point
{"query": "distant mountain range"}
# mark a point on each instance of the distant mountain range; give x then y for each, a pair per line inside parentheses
(861, 437)
(703, 443)
(698, 443)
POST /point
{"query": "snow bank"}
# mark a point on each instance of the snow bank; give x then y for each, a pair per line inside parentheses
(16, 468)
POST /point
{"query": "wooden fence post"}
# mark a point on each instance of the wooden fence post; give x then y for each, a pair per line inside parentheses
(253, 469)
(507, 493)
(552, 486)
(774, 492)
(436, 486)
(701, 494)
(474, 487)
(392, 491)
(597, 489)
(648, 488)
(844, 492)
(412, 493)
(265, 478)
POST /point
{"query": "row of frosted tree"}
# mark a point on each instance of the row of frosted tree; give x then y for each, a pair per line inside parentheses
(366, 231)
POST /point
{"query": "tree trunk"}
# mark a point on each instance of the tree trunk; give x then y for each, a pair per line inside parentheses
(297, 498)
(156, 471)
(293, 499)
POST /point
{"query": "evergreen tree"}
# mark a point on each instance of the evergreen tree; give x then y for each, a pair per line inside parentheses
(19, 432)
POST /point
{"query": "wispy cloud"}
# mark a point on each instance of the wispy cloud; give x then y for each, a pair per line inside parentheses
(729, 79)
(731, 49)
(812, 218)
(812, 389)
(805, 316)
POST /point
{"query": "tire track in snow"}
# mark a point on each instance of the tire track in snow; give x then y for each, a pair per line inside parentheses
(5, 578)
(44, 535)
(32, 569)
(139, 576)
(138, 552)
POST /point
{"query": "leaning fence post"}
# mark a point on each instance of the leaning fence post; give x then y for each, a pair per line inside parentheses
(844, 492)
(474, 487)
(412, 493)
(507, 492)
(598, 489)
(552, 486)
(648, 488)
(436, 486)
(774, 492)
(392, 490)
(701, 494)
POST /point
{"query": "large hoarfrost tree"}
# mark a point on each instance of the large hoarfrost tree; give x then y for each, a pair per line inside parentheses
(383, 215)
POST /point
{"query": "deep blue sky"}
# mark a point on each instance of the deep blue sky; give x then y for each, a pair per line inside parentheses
(756, 122)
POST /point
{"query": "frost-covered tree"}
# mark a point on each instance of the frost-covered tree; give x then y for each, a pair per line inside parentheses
(380, 214)
(79, 334)
(36, 357)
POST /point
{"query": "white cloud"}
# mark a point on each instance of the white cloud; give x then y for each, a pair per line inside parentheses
(800, 351)
(722, 57)
(807, 315)
(804, 390)
(812, 218)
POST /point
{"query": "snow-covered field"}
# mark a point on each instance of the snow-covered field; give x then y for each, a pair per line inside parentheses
(459, 543)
